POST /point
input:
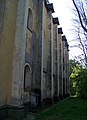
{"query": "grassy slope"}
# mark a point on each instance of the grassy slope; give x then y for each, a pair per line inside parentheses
(70, 109)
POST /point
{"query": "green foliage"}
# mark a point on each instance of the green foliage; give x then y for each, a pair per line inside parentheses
(79, 80)
(72, 63)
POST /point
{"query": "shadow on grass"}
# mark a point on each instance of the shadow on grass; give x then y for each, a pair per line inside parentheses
(70, 109)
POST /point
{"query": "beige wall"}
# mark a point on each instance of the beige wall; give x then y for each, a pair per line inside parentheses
(55, 61)
(60, 54)
(7, 35)
(13, 37)
(12, 50)
(47, 54)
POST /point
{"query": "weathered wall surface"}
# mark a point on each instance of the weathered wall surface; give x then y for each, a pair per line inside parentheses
(31, 55)
(48, 55)
(33, 50)
(55, 61)
(45, 54)
(60, 64)
(36, 49)
(19, 54)
(64, 68)
(8, 14)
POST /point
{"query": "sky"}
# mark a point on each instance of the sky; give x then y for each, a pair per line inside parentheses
(63, 10)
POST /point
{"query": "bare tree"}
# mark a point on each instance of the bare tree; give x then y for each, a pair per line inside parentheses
(81, 10)
(81, 28)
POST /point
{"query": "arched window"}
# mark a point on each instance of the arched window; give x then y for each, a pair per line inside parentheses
(27, 78)
(30, 20)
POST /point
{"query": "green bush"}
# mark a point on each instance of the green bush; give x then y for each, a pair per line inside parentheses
(79, 80)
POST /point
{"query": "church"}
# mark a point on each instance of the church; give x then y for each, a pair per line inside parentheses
(34, 57)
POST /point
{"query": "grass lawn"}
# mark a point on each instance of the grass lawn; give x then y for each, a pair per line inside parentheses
(70, 109)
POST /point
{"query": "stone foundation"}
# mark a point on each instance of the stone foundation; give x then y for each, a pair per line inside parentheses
(3, 112)
(11, 112)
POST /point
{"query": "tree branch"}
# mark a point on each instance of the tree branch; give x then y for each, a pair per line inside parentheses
(79, 16)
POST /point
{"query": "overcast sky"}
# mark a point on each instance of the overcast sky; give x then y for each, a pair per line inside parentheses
(63, 10)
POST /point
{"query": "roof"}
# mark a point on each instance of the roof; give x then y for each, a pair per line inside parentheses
(56, 21)
(49, 6)
(60, 31)
(64, 38)
(66, 43)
